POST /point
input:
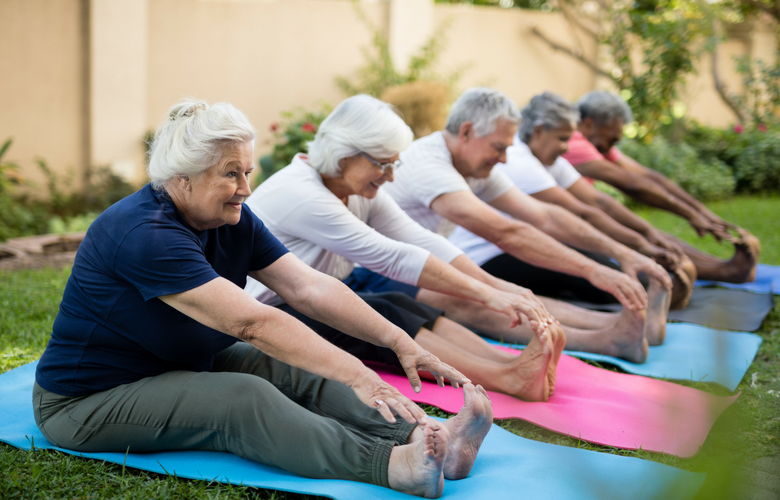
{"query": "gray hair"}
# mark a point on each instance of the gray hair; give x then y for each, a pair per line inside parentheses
(193, 138)
(548, 110)
(603, 107)
(483, 107)
(359, 124)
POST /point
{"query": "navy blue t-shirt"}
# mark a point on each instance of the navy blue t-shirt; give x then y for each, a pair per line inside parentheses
(111, 328)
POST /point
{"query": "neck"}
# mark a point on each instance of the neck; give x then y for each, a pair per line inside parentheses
(179, 197)
(453, 146)
(338, 187)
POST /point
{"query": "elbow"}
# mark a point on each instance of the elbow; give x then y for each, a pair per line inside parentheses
(248, 331)
(511, 237)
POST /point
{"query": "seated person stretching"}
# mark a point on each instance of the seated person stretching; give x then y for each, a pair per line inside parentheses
(448, 178)
(145, 352)
(592, 153)
(329, 210)
(535, 166)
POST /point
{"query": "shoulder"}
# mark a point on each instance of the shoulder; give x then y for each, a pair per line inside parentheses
(581, 150)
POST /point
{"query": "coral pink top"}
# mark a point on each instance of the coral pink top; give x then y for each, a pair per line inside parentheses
(582, 151)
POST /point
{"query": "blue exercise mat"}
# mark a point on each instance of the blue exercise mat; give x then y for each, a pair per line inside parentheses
(508, 466)
(767, 281)
(692, 352)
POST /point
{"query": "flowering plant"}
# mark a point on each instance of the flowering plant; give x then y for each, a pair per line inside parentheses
(290, 137)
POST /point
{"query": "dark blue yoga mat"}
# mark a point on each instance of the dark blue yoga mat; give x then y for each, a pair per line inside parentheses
(692, 352)
(767, 281)
(508, 466)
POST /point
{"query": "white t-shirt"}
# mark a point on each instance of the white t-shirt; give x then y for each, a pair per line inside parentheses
(530, 176)
(427, 173)
(329, 236)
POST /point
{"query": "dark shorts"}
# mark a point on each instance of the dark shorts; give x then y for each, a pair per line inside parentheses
(363, 280)
(399, 309)
(552, 283)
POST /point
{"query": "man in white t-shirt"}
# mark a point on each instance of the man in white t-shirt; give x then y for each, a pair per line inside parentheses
(449, 180)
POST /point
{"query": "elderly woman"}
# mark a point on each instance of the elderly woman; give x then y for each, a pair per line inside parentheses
(145, 352)
(329, 210)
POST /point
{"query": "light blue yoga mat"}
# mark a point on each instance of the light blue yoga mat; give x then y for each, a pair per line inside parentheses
(508, 466)
(767, 281)
(692, 352)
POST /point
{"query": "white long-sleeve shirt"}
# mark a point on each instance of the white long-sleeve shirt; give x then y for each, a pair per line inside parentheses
(331, 237)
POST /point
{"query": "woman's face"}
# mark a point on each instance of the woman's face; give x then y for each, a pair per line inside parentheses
(548, 145)
(359, 175)
(215, 197)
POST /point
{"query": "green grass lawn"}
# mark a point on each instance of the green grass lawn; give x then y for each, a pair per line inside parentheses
(749, 429)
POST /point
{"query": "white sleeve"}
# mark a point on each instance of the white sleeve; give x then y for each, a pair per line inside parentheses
(564, 173)
(387, 217)
(437, 178)
(528, 177)
(325, 221)
(491, 188)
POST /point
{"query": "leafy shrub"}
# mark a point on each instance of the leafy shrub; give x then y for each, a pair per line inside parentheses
(757, 168)
(422, 105)
(291, 136)
(68, 210)
(705, 179)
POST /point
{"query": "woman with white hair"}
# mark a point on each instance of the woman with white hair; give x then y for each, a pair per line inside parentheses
(145, 352)
(328, 209)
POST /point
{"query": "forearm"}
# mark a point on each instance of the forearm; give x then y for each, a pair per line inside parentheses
(467, 266)
(613, 229)
(655, 195)
(444, 278)
(331, 302)
(676, 190)
(624, 216)
(570, 229)
(539, 249)
(283, 337)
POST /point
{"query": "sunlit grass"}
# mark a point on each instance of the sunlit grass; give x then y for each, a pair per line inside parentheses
(749, 429)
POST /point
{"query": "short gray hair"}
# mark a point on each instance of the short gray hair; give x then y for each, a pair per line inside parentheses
(603, 107)
(483, 107)
(548, 110)
(194, 137)
(360, 123)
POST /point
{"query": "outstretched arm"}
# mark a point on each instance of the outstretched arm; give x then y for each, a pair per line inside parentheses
(632, 165)
(645, 190)
(525, 242)
(570, 229)
(597, 218)
(221, 305)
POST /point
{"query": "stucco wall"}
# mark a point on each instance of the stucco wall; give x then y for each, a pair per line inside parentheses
(83, 79)
(42, 80)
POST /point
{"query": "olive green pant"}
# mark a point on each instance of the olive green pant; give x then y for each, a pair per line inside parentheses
(250, 404)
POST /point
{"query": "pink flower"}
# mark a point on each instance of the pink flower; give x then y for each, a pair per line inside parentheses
(274, 127)
(761, 127)
(309, 127)
(738, 128)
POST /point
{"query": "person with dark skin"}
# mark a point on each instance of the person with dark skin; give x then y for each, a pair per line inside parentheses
(591, 151)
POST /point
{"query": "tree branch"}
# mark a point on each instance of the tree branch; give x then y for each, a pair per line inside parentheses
(721, 88)
(772, 11)
(570, 52)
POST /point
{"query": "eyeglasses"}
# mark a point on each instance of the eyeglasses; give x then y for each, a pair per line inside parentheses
(384, 167)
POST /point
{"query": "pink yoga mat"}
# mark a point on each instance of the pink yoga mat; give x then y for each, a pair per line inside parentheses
(599, 406)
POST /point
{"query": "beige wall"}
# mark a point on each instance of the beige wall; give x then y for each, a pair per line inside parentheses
(42, 84)
(83, 79)
(498, 49)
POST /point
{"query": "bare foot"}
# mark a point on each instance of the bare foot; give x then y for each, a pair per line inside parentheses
(417, 468)
(527, 375)
(467, 431)
(558, 343)
(626, 339)
(742, 266)
(658, 301)
(682, 285)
